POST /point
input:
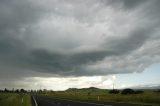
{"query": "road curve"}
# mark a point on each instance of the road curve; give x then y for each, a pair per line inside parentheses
(48, 101)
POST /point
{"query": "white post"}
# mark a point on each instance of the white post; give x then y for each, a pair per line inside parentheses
(22, 100)
(98, 98)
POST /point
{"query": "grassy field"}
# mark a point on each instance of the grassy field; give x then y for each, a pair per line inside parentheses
(14, 99)
(148, 97)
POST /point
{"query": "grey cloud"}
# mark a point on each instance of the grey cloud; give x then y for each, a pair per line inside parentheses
(29, 43)
(17, 13)
(123, 45)
(127, 4)
(56, 63)
(133, 4)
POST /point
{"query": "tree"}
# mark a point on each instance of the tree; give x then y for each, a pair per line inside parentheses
(17, 90)
(128, 91)
(22, 90)
(114, 91)
(139, 92)
(6, 90)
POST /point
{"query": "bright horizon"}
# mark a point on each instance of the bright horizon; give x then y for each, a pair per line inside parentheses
(120, 81)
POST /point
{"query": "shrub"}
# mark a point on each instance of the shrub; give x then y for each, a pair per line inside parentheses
(139, 92)
(157, 91)
(127, 91)
(114, 91)
(89, 93)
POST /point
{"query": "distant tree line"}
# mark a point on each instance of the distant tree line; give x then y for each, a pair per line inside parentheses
(126, 91)
(44, 91)
(14, 91)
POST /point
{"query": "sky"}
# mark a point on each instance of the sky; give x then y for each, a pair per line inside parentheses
(60, 44)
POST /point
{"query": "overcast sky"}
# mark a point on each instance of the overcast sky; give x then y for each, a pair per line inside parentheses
(78, 43)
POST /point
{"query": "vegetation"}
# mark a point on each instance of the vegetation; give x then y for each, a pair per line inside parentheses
(14, 99)
(128, 91)
(114, 91)
(91, 94)
(131, 91)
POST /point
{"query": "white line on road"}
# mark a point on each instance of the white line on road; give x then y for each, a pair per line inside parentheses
(35, 101)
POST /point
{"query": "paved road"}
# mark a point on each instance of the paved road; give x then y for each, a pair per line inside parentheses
(48, 101)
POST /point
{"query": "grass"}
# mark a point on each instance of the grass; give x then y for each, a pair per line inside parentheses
(148, 97)
(14, 99)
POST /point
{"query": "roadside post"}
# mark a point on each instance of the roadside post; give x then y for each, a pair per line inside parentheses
(98, 98)
(22, 100)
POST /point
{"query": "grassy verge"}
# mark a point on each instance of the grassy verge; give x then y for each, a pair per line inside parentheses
(13, 99)
(146, 98)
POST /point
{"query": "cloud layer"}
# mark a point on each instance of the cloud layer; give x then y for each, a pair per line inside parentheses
(78, 38)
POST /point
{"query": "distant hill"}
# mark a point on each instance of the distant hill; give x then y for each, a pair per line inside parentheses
(94, 89)
(90, 89)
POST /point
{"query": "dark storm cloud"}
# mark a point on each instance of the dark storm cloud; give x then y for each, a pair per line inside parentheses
(130, 43)
(128, 4)
(56, 63)
(132, 4)
(74, 39)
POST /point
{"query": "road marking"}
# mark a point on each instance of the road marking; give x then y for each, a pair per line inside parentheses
(84, 102)
(35, 101)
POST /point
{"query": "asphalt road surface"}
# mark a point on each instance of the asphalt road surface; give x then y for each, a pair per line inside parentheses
(48, 101)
